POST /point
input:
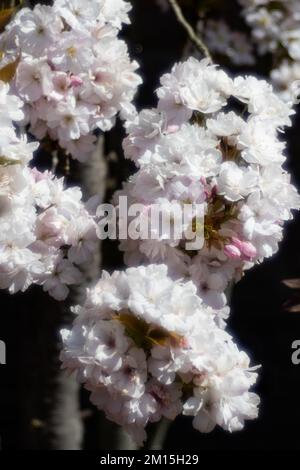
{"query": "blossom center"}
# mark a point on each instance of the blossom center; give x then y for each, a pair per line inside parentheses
(144, 335)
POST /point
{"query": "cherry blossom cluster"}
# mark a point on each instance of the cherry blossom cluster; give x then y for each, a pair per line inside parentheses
(212, 141)
(146, 347)
(275, 27)
(73, 73)
(273, 24)
(46, 232)
(219, 38)
(222, 40)
(286, 80)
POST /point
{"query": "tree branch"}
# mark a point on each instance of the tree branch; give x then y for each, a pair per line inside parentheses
(190, 31)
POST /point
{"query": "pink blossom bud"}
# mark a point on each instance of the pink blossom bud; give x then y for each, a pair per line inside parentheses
(76, 81)
(38, 175)
(172, 128)
(232, 252)
(248, 250)
(184, 343)
(237, 242)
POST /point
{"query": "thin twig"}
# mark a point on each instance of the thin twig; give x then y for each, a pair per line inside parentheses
(190, 31)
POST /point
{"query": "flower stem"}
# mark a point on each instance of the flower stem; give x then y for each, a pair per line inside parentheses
(190, 31)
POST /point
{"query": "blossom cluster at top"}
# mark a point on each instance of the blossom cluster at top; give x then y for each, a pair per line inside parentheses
(220, 39)
(212, 141)
(274, 23)
(46, 232)
(275, 27)
(146, 347)
(73, 73)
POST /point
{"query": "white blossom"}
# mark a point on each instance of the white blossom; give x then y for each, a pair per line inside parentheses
(226, 156)
(73, 73)
(220, 39)
(157, 351)
(46, 232)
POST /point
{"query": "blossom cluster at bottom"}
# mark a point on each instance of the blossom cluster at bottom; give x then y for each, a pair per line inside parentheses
(147, 347)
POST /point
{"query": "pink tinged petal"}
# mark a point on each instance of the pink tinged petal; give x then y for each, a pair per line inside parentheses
(237, 242)
(172, 128)
(232, 252)
(248, 250)
(76, 81)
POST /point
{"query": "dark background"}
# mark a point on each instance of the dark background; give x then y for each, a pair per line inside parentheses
(258, 320)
